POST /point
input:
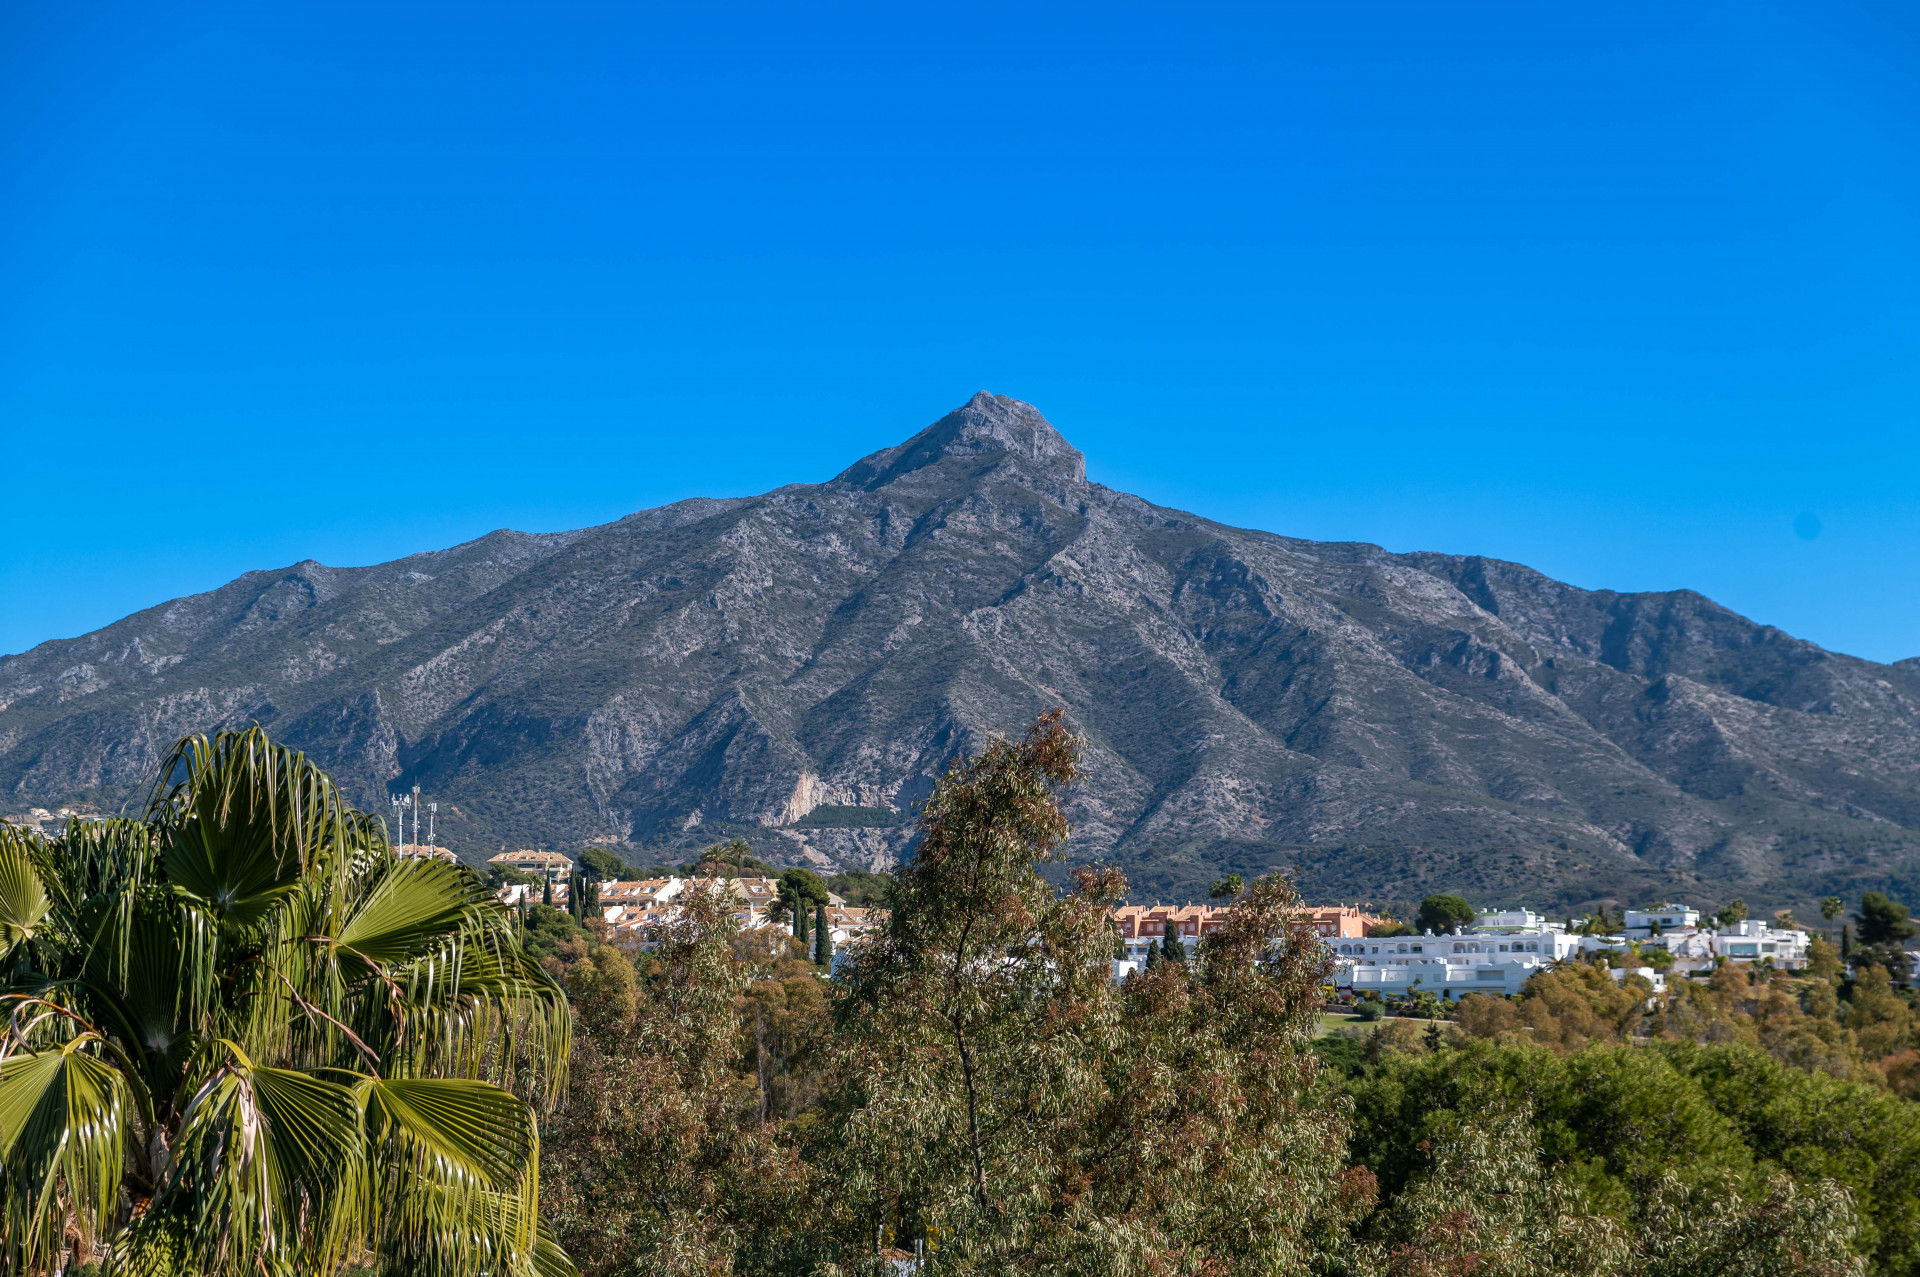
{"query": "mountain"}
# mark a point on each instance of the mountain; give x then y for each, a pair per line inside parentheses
(798, 668)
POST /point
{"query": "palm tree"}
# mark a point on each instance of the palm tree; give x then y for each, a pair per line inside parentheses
(1832, 907)
(243, 1036)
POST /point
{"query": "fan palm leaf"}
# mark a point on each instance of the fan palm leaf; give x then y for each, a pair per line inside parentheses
(24, 904)
(242, 820)
(63, 1122)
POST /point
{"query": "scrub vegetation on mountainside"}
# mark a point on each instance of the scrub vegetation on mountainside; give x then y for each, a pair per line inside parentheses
(797, 669)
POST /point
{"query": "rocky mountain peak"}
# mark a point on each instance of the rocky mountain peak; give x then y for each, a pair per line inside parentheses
(985, 423)
(800, 672)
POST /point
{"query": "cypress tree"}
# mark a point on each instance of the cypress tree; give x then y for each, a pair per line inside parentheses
(800, 922)
(822, 938)
(1170, 947)
(546, 890)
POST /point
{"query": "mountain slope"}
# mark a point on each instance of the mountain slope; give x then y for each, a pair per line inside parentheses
(1386, 724)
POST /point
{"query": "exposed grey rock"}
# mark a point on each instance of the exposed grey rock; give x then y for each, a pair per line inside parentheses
(1386, 724)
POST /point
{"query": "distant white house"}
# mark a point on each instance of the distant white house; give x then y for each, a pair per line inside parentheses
(1652, 977)
(550, 865)
(1641, 922)
(1754, 941)
(1691, 950)
(1508, 920)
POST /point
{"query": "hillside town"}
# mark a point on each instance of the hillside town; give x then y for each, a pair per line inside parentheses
(1371, 955)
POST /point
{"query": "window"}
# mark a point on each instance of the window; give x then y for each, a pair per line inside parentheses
(1503, 948)
(1416, 948)
(1459, 948)
(1532, 947)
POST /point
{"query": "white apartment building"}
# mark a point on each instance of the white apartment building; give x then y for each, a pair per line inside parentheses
(1481, 961)
(1544, 943)
(1449, 980)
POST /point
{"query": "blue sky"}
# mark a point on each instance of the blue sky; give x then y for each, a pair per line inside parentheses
(1627, 292)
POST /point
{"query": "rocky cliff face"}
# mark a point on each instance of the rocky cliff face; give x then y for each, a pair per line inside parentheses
(1385, 724)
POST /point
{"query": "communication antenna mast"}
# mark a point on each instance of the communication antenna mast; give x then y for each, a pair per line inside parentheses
(433, 809)
(416, 818)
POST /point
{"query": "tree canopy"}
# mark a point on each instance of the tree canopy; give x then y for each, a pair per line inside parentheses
(976, 1084)
(1441, 914)
(605, 866)
(1882, 920)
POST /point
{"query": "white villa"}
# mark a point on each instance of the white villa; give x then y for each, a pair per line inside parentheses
(1642, 922)
(1508, 920)
(1755, 941)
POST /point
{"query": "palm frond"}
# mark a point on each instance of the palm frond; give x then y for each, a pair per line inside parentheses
(24, 903)
(486, 1003)
(548, 1259)
(242, 818)
(455, 1129)
(63, 1122)
(441, 1230)
(95, 860)
(270, 1166)
(134, 972)
(416, 907)
(462, 1162)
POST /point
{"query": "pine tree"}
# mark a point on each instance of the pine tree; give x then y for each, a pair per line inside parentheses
(822, 938)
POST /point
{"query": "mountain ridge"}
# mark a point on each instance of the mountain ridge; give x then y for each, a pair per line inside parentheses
(1381, 723)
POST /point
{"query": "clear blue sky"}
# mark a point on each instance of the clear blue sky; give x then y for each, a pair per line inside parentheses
(1627, 292)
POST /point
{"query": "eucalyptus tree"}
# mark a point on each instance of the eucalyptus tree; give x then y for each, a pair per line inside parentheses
(244, 1036)
(998, 1095)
